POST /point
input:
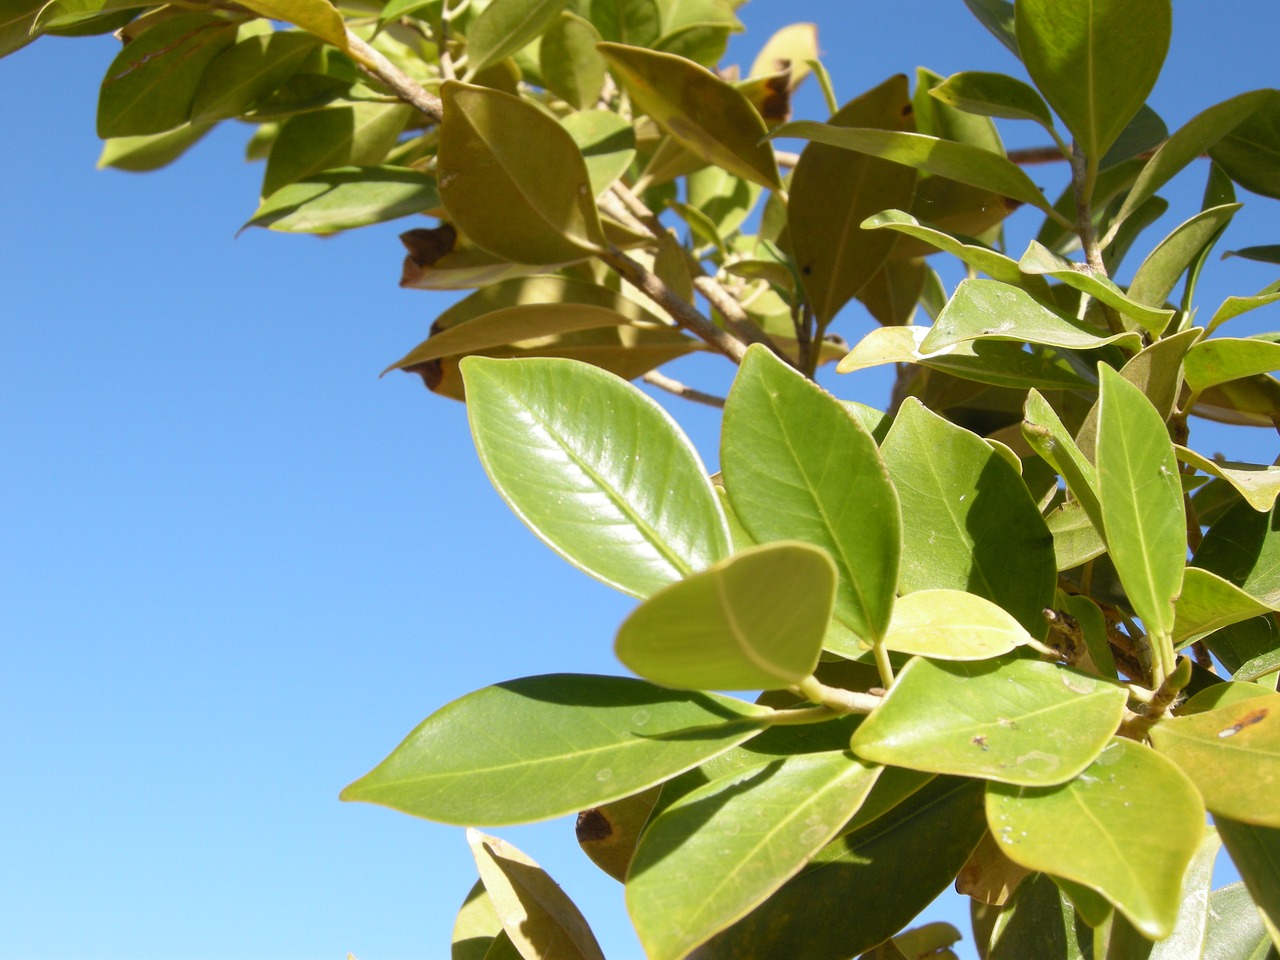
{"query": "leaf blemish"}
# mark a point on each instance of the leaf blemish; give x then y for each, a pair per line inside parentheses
(981, 741)
(1247, 720)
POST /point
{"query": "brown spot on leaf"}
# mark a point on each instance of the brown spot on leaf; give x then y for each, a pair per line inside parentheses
(775, 105)
(981, 741)
(1248, 720)
(593, 826)
(431, 372)
(425, 248)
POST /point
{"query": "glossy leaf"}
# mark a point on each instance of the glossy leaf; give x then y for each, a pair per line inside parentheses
(1049, 437)
(315, 16)
(994, 95)
(1220, 359)
(536, 914)
(152, 151)
(475, 927)
(633, 508)
(1041, 260)
(893, 292)
(1095, 62)
(724, 199)
(357, 135)
(791, 48)
(1235, 930)
(504, 26)
(1186, 143)
(1233, 307)
(1001, 363)
(952, 625)
(151, 83)
(1255, 851)
(635, 22)
(753, 621)
(798, 466)
(1127, 827)
(968, 521)
(833, 191)
(1039, 922)
(608, 833)
(1266, 253)
(1141, 500)
(1243, 546)
(572, 68)
(246, 72)
(720, 850)
(1256, 483)
(994, 264)
(1075, 539)
(345, 198)
(543, 747)
(1165, 265)
(17, 17)
(996, 16)
(1250, 152)
(1015, 721)
(705, 115)
(607, 143)
(988, 308)
(841, 904)
(513, 180)
(956, 161)
(1208, 603)
(1232, 755)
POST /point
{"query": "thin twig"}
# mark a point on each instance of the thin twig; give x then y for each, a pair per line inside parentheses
(685, 392)
(404, 86)
(786, 158)
(682, 312)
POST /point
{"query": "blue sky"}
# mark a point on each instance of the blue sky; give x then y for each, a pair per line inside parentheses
(238, 567)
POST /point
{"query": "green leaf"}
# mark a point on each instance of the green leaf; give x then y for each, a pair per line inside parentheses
(1232, 755)
(996, 16)
(543, 747)
(357, 135)
(721, 849)
(892, 293)
(1001, 363)
(1250, 152)
(1160, 272)
(152, 151)
(1220, 359)
(1095, 61)
(844, 902)
(607, 142)
(1257, 483)
(1268, 253)
(1233, 307)
(1188, 937)
(968, 521)
(504, 26)
(633, 508)
(1015, 721)
(1235, 930)
(1049, 437)
(150, 85)
(724, 199)
(994, 95)
(945, 158)
(1075, 539)
(345, 198)
(1127, 827)
(572, 68)
(993, 264)
(1041, 260)
(17, 18)
(315, 16)
(833, 191)
(513, 180)
(1243, 546)
(536, 914)
(701, 112)
(753, 621)
(791, 48)
(1256, 853)
(988, 308)
(1208, 603)
(952, 625)
(476, 926)
(1141, 499)
(798, 465)
(246, 72)
(635, 22)
(1144, 133)
(1039, 922)
(1186, 144)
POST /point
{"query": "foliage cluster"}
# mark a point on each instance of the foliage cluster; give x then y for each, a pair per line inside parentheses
(1013, 633)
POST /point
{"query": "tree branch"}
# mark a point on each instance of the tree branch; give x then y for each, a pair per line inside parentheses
(404, 86)
(685, 392)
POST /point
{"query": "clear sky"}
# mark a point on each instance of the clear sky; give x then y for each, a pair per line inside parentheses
(236, 567)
